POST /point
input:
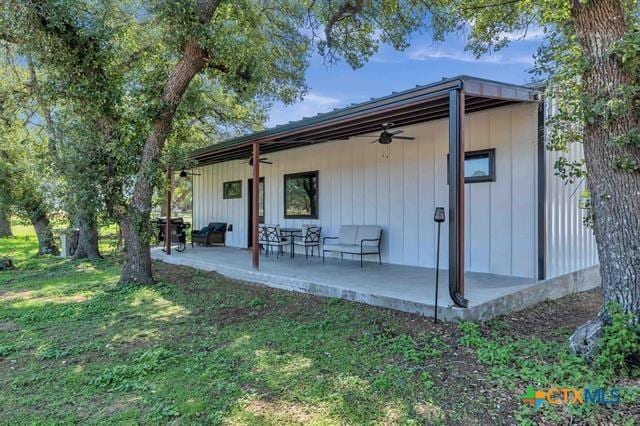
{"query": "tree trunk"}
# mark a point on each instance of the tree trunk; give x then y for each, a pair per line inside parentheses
(46, 241)
(137, 258)
(614, 193)
(86, 219)
(5, 224)
(88, 238)
(137, 254)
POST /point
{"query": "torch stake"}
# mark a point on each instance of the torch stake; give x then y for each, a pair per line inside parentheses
(435, 316)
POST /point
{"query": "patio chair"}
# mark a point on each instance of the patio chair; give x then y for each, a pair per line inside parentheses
(269, 236)
(310, 237)
(214, 233)
(360, 240)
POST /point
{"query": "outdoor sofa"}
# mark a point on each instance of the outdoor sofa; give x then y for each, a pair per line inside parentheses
(214, 233)
(360, 240)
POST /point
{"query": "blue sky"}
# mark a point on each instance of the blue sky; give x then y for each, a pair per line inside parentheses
(337, 85)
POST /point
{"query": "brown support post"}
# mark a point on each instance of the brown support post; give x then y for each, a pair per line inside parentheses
(255, 204)
(456, 197)
(167, 199)
(542, 194)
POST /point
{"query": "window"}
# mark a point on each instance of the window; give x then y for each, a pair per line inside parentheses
(479, 166)
(301, 195)
(232, 189)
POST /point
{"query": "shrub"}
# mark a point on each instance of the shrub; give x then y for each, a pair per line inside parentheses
(619, 345)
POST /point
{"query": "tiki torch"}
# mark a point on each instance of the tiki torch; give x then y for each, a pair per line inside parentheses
(438, 217)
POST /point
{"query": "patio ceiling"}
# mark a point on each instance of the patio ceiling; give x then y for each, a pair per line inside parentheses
(420, 104)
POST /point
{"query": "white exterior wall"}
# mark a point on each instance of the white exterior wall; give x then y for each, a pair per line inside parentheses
(571, 246)
(398, 186)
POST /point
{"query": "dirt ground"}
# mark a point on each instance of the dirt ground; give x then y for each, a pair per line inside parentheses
(458, 375)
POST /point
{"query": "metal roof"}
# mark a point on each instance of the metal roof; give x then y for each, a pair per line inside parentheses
(420, 104)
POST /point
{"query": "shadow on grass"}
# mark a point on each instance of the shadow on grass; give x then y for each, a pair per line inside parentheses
(198, 346)
(201, 348)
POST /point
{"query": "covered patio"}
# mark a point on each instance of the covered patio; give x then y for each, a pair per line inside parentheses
(404, 288)
(494, 248)
(404, 285)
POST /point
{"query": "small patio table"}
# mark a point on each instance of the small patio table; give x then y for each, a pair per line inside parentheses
(290, 232)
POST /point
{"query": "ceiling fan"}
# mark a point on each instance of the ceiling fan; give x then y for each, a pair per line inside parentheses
(262, 160)
(386, 137)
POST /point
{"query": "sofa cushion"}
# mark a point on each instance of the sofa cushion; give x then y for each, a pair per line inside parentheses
(204, 230)
(348, 234)
(350, 248)
(344, 248)
(369, 232)
(370, 249)
(217, 227)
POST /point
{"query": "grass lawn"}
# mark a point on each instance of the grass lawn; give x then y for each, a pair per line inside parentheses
(201, 348)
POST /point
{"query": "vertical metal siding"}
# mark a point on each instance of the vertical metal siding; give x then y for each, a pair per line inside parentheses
(570, 245)
(398, 186)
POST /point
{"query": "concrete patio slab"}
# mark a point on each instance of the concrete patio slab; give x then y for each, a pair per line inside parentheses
(405, 288)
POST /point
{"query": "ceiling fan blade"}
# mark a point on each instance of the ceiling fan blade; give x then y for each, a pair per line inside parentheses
(266, 162)
(396, 132)
(405, 138)
(375, 141)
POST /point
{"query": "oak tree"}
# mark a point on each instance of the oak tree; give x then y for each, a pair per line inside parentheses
(138, 75)
(27, 184)
(591, 61)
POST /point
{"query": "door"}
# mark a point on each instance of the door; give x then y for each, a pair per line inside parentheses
(250, 208)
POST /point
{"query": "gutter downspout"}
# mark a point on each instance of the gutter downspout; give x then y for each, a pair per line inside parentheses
(456, 197)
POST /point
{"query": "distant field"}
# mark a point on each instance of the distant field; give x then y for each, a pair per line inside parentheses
(22, 230)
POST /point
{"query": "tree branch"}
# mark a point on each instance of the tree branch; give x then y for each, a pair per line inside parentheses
(34, 87)
(194, 59)
(344, 11)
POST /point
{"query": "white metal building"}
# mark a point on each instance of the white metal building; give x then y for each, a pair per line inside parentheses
(520, 219)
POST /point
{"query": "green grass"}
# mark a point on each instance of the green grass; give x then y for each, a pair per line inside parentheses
(200, 348)
(545, 364)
